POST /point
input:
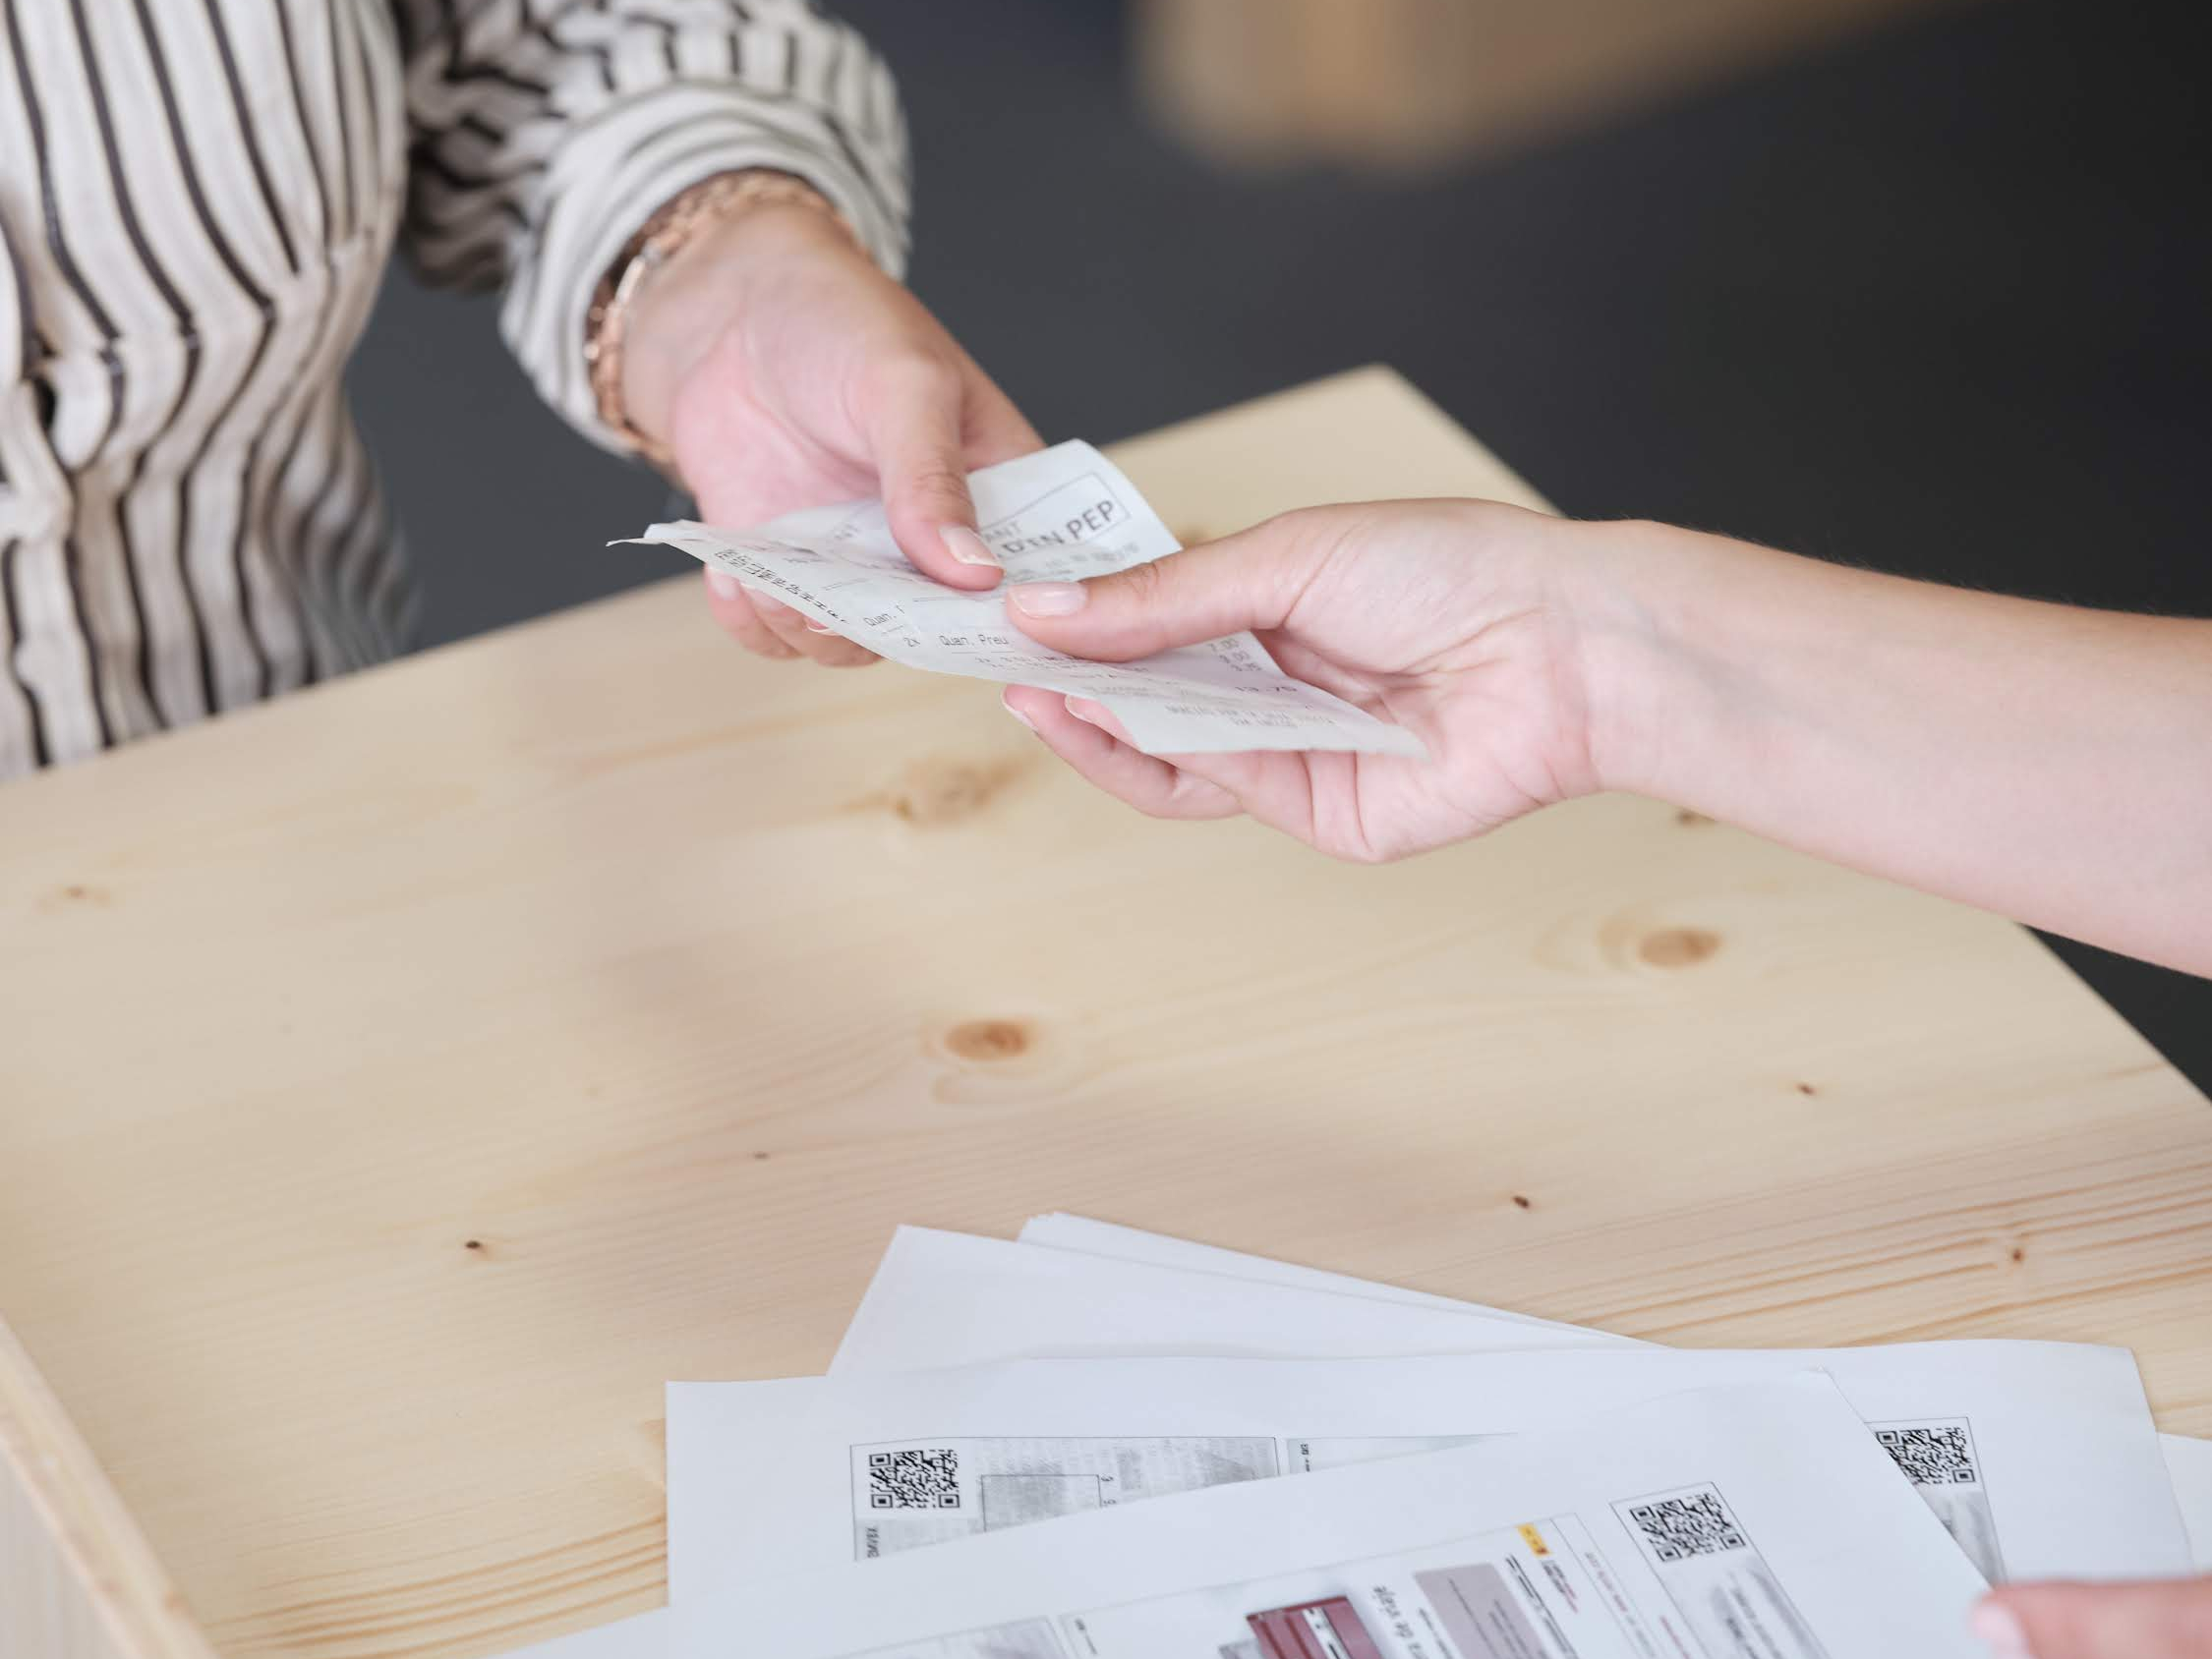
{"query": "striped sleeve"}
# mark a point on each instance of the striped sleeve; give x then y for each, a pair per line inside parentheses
(543, 132)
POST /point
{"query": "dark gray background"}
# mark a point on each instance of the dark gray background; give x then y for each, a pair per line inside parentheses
(1935, 301)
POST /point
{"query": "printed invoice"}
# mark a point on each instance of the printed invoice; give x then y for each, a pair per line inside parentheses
(2189, 1461)
(2039, 1457)
(1754, 1520)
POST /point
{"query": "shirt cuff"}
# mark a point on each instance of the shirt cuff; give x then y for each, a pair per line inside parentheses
(610, 176)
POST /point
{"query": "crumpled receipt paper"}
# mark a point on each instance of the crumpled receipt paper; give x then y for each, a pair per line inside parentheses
(1060, 515)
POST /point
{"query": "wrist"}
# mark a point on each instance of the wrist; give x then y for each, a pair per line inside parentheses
(1642, 596)
(680, 285)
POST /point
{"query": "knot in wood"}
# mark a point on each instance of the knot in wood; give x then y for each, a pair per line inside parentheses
(937, 792)
(1678, 948)
(988, 1038)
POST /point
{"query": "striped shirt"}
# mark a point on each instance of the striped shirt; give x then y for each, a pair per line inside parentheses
(196, 200)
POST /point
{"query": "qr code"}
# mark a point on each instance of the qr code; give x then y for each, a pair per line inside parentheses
(1697, 1524)
(914, 1480)
(1933, 1454)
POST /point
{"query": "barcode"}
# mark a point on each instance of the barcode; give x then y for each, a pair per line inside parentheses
(1696, 1524)
(914, 1480)
(1932, 1454)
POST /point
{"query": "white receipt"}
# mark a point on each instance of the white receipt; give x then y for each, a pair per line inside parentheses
(947, 1298)
(1750, 1521)
(2190, 1463)
(1062, 514)
(2039, 1457)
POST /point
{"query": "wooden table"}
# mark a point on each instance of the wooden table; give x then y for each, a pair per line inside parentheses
(402, 1081)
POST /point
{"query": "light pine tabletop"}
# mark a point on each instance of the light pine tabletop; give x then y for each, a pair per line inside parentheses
(403, 1081)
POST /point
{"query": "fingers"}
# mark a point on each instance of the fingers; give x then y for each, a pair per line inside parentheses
(2168, 1619)
(917, 409)
(1152, 785)
(762, 625)
(1249, 580)
(826, 645)
(727, 600)
(1281, 789)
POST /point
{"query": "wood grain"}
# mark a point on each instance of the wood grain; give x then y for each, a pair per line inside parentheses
(405, 1080)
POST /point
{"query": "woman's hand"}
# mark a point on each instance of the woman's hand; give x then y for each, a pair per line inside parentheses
(785, 371)
(2036, 759)
(1458, 620)
(2168, 1619)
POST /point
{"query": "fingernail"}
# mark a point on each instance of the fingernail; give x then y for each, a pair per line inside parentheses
(814, 627)
(723, 585)
(1085, 710)
(1017, 713)
(1047, 598)
(1995, 1624)
(967, 547)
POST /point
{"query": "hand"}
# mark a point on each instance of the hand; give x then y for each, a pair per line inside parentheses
(2169, 1620)
(785, 371)
(1456, 619)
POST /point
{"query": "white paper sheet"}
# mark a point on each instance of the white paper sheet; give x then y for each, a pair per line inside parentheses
(646, 1636)
(2039, 1457)
(1061, 1231)
(2190, 1463)
(948, 1298)
(1761, 1519)
(1058, 515)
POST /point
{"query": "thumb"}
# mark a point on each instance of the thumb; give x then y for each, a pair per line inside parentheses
(2167, 1620)
(1249, 580)
(919, 461)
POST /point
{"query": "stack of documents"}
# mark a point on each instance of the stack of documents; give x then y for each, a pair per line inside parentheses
(1350, 1471)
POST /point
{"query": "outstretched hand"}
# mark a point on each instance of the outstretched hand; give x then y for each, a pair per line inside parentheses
(1452, 618)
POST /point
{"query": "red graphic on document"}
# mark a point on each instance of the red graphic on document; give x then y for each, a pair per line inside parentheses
(1314, 1630)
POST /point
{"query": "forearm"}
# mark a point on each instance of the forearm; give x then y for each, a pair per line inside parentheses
(2048, 763)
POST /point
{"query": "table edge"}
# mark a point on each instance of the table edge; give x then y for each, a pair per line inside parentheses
(115, 1566)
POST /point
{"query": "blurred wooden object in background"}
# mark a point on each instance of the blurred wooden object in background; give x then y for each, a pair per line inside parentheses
(1413, 83)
